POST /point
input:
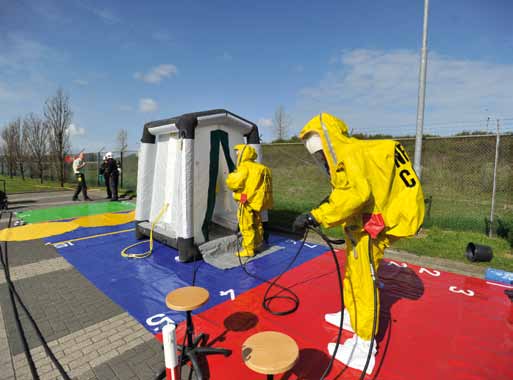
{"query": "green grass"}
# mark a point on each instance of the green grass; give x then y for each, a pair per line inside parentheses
(17, 185)
(436, 242)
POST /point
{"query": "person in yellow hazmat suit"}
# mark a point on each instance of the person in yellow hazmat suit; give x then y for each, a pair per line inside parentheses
(251, 184)
(377, 198)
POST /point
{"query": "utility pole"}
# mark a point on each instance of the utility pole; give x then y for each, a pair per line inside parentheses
(422, 94)
(494, 185)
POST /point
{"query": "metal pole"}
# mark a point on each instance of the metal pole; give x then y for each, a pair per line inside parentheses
(494, 187)
(122, 169)
(422, 94)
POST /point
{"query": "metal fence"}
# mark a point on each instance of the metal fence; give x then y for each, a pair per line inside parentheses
(459, 175)
(126, 159)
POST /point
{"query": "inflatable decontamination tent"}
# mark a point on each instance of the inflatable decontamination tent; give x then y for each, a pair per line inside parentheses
(183, 163)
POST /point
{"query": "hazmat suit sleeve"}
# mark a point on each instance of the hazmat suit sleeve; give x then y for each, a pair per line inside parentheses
(348, 197)
(237, 179)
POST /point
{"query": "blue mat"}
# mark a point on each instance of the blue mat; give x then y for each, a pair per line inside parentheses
(140, 286)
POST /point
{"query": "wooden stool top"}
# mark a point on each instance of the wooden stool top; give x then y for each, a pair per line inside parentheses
(270, 352)
(187, 298)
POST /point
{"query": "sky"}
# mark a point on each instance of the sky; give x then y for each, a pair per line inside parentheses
(125, 63)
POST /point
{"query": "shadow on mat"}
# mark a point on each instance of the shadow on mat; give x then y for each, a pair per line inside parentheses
(398, 283)
(310, 365)
(236, 322)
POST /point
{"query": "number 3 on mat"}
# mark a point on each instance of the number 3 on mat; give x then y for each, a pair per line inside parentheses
(230, 292)
(455, 289)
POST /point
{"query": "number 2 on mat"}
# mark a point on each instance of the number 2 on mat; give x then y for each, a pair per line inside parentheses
(229, 292)
(431, 272)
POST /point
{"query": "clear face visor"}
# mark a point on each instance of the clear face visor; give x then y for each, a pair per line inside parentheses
(313, 144)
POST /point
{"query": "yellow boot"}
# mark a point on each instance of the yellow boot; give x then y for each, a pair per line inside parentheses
(245, 253)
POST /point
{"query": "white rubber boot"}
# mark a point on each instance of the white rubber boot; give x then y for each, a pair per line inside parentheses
(334, 319)
(354, 352)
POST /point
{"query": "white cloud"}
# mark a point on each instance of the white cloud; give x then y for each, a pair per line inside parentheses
(147, 105)
(265, 122)
(376, 91)
(75, 130)
(80, 82)
(157, 73)
(106, 15)
(18, 53)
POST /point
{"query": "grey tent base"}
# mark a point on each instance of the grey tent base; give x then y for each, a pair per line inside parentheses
(220, 253)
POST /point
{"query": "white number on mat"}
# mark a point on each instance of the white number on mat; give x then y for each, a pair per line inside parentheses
(402, 265)
(229, 292)
(432, 272)
(310, 245)
(159, 320)
(63, 245)
(455, 289)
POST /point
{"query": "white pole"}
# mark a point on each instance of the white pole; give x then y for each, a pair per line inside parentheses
(422, 94)
(494, 186)
(170, 348)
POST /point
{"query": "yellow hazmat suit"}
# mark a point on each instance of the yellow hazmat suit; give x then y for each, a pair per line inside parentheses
(252, 188)
(369, 178)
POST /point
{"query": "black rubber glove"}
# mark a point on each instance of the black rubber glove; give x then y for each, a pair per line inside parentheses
(302, 222)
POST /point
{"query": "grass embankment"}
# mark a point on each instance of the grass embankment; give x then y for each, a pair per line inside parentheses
(18, 185)
(436, 242)
(456, 217)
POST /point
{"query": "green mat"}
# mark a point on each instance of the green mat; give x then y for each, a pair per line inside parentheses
(73, 211)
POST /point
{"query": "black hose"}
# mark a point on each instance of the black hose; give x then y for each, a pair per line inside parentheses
(268, 299)
(15, 296)
(341, 293)
(19, 327)
(293, 297)
(374, 320)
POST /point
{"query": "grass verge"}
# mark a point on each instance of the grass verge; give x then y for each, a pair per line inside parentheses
(17, 185)
(436, 242)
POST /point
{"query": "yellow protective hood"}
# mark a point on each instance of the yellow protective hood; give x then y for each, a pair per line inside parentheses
(333, 133)
(367, 177)
(247, 153)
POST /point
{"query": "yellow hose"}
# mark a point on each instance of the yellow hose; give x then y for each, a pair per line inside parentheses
(147, 253)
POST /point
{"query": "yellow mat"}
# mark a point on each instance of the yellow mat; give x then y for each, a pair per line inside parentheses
(103, 220)
(36, 231)
(47, 229)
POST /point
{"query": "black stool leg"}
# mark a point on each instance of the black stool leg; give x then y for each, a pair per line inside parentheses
(195, 365)
(190, 330)
(270, 377)
(212, 351)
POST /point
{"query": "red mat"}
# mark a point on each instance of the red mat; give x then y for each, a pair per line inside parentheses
(433, 325)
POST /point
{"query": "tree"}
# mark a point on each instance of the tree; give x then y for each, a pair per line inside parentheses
(35, 133)
(281, 123)
(122, 139)
(19, 147)
(9, 135)
(58, 117)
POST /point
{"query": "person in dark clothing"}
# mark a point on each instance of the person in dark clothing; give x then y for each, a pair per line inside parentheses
(112, 171)
(106, 176)
(78, 169)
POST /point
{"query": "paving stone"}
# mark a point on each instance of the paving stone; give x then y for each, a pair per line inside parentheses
(49, 292)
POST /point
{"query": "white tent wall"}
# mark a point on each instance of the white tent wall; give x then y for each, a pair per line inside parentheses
(225, 210)
(145, 176)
